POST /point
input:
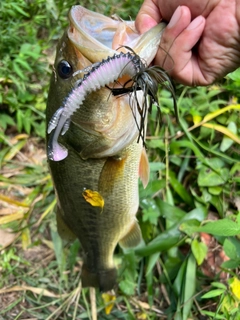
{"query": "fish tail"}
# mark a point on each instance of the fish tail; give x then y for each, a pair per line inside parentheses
(104, 280)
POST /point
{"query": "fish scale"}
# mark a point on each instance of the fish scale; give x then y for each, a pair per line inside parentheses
(104, 157)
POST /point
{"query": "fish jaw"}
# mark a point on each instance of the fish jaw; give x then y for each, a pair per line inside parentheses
(99, 37)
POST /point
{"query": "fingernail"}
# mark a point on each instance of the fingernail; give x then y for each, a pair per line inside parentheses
(176, 16)
(195, 23)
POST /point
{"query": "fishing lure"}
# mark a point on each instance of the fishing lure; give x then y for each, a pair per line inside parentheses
(147, 80)
(102, 74)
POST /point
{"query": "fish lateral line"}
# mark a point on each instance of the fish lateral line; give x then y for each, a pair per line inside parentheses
(100, 75)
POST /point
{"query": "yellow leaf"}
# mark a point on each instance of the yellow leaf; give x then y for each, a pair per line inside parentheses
(196, 119)
(14, 150)
(12, 217)
(215, 114)
(235, 287)
(227, 304)
(12, 201)
(141, 316)
(26, 238)
(109, 301)
(94, 198)
(223, 130)
(40, 291)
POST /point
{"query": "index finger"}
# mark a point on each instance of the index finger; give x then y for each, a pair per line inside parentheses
(148, 16)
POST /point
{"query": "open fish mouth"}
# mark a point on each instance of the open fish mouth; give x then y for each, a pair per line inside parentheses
(98, 37)
(133, 61)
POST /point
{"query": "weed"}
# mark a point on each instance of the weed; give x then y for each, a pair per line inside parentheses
(189, 213)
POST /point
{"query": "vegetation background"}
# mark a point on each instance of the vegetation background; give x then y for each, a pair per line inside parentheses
(189, 214)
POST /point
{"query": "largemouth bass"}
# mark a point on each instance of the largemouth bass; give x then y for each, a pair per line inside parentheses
(96, 164)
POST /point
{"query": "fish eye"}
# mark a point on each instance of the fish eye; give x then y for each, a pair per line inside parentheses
(64, 69)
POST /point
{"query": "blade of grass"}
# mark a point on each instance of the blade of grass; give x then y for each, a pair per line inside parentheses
(190, 286)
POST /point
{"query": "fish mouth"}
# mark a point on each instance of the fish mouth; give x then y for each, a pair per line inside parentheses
(114, 50)
(98, 37)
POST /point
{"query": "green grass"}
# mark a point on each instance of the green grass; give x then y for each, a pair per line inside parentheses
(195, 179)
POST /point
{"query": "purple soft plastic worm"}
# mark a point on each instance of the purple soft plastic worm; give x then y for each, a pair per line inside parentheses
(100, 75)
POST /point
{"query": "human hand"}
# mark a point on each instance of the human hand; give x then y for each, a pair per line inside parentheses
(200, 51)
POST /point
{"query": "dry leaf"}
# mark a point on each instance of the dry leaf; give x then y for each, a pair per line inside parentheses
(94, 198)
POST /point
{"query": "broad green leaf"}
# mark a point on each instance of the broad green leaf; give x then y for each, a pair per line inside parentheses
(5, 120)
(179, 188)
(215, 190)
(236, 243)
(157, 166)
(127, 287)
(152, 187)
(151, 211)
(231, 264)
(170, 212)
(230, 249)
(213, 293)
(235, 168)
(215, 163)
(189, 227)
(199, 250)
(223, 227)
(219, 285)
(153, 144)
(226, 141)
(209, 178)
(163, 242)
(235, 75)
(131, 265)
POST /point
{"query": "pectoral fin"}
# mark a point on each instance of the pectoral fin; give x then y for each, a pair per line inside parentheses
(63, 230)
(132, 238)
(144, 170)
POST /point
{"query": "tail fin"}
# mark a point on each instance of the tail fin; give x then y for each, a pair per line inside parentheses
(104, 280)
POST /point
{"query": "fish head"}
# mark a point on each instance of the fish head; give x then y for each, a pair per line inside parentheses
(105, 123)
